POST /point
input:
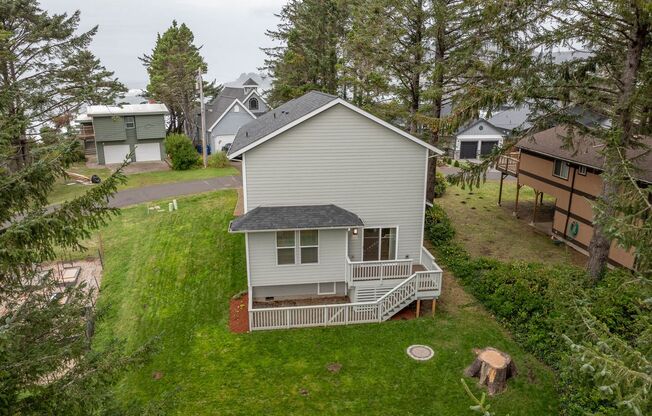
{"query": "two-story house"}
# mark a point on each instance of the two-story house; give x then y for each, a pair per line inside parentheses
(572, 177)
(118, 131)
(334, 203)
(232, 108)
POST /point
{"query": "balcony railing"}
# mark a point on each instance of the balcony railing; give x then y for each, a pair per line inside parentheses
(378, 270)
(86, 132)
(509, 163)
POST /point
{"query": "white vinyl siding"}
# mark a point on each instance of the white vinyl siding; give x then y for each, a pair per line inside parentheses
(265, 271)
(340, 157)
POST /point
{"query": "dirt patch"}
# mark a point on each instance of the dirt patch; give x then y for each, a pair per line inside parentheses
(239, 314)
(334, 367)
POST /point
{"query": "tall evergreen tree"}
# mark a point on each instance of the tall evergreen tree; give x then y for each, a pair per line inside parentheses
(611, 80)
(45, 71)
(46, 365)
(311, 33)
(172, 68)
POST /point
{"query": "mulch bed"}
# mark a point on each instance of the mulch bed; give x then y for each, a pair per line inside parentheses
(239, 315)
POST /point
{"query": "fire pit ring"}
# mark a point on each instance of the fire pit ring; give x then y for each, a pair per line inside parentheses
(420, 352)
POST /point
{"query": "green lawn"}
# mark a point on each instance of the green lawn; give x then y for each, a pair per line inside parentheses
(63, 191)
(172, 274)
(485, 229)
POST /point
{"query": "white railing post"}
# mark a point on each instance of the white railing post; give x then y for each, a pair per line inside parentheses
(287, 318)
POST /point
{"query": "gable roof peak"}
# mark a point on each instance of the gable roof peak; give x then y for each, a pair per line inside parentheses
(249, 81)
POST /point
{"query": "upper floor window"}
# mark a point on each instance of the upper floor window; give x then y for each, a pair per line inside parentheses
(560, 169)
(582, 170)
(130, 122)
(253, 103)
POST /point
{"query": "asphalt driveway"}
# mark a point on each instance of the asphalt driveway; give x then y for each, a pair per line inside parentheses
(168, 190)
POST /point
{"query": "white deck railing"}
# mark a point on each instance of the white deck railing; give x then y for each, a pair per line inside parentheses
(378, 270)
(425, 283)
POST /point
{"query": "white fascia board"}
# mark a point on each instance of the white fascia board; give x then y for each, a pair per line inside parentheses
(326, 107)
(480, 136)
(252, 92)
(236, 101)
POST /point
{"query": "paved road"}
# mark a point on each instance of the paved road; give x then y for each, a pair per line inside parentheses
(167, 190)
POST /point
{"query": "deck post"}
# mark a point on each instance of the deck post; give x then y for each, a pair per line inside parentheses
(418, 307)
(500, 191)
(536, 201)
(518, 189)
(434, 306)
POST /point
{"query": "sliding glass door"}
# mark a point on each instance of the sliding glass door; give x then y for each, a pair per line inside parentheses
(379, 244)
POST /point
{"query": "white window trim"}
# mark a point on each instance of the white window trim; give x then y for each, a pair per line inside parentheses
(297, 248)
(563, 162)
(320, 292)
(379, 247)
(582, 170)
(276, 247)
(257, 103)
(298, 233)
(133, 120)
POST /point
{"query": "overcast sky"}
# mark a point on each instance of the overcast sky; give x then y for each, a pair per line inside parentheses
(231, 32)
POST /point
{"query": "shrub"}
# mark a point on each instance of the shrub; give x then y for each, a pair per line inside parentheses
(218, 160)
(538, 304)
(438, 226)
(440, 185)
(182, 154)
(456, 164)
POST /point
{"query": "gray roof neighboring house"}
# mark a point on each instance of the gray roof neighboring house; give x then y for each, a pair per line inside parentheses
(249, 81)
(218, 106)
(131, 109)
(300, 217)
(278, 118)
(505, 120)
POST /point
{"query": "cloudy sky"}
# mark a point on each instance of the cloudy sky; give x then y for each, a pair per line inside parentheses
(231, 32)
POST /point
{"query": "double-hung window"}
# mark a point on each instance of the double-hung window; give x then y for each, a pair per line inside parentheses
(130, 122)
(309, 240)
(285, 247)
(561, 169)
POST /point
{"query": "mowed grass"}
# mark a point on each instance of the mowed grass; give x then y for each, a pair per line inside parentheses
(486, 229)
(170, 276)
(63, 191)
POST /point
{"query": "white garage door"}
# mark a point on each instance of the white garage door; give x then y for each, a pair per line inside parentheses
(115, 153)
(148, 151)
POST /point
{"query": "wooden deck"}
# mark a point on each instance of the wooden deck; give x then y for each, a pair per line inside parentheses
(508, 164)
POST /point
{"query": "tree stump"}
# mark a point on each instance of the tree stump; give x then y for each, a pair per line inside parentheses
(493, 367)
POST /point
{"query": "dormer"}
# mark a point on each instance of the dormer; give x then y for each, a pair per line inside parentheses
(249, 85)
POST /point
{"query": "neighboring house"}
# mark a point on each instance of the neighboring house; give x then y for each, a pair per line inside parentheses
(572, 177)
(232, 108)
(334, 202)
(117, 131)
(481, 136)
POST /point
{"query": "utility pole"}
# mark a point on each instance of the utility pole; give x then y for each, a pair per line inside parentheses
(200, 85)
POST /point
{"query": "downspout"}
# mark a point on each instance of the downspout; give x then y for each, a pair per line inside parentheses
(570, 201)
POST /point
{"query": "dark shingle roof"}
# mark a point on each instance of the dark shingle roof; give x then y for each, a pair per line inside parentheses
(223, 100)
(585, 151)
(250, 81)
(278, 118)
(295, 218)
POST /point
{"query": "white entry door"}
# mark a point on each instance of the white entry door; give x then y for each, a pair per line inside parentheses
(148, 151)
(115, 153)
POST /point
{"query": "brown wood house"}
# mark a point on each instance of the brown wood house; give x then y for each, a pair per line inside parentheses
(572, 177)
